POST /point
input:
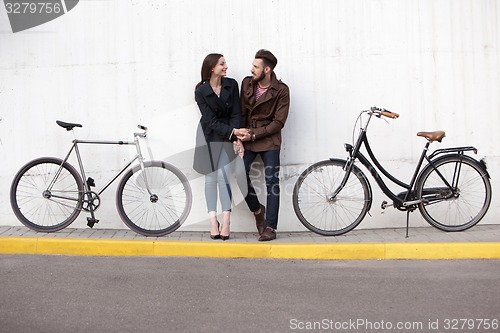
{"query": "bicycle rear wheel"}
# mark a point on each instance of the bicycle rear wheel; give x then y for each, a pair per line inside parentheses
(318, 211)
(46, 195)
(464, 204)
(164, 209)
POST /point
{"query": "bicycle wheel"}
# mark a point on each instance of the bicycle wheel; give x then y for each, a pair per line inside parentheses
(328, 216)
(164, 209)
(462, 207)
(46, 195)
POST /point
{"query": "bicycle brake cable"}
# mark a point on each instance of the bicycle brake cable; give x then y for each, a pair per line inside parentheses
(358, 119)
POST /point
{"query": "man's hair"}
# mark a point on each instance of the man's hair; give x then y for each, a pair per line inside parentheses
(268, 58)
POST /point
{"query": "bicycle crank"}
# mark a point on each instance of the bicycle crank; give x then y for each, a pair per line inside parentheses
(92, 203)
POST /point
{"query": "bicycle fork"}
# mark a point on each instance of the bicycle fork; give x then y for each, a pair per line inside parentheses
(152, 196)
(348, 170)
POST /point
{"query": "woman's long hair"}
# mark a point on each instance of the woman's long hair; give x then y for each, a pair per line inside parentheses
(209, 63)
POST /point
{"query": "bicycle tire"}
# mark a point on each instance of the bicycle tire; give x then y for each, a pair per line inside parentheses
(331, 217)
(42, 209)
(462, 210)
(137, 207)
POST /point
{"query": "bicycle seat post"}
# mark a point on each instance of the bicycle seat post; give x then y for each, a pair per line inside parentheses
(73, 134)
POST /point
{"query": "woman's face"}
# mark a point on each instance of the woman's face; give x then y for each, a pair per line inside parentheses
(221, 68)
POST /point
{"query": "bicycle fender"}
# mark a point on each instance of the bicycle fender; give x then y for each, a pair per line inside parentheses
(481, 163)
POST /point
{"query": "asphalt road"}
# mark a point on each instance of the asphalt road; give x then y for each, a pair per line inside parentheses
(114, 294)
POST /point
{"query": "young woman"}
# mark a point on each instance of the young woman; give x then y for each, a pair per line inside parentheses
(218, 99)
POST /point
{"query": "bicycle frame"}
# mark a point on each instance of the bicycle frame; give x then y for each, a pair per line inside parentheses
(405, 199)
(74, 147)
(90, 182)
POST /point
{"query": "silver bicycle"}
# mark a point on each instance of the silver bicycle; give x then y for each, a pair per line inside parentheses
(153, 198)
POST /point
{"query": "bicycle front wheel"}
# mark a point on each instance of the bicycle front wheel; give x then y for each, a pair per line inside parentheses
(46, 194)
(460, 206)
(154, 201)
(323, 214)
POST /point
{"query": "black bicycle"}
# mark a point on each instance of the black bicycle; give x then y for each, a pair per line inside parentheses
(452, 191)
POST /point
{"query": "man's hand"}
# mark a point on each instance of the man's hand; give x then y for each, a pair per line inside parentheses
(243, 134)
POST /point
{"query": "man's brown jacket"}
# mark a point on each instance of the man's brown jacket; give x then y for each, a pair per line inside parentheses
(266, 116)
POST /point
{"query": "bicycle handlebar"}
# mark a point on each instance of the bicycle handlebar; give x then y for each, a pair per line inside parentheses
(384, 112)
(144, 128)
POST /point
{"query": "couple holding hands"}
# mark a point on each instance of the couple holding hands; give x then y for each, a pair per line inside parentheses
(244, 123)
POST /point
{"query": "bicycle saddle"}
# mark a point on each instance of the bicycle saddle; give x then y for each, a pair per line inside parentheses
(67, 126)
(433, 136)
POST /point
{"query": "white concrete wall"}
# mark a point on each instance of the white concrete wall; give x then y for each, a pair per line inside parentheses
(111, 65)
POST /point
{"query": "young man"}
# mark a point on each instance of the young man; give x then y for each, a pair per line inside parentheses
(265, 101)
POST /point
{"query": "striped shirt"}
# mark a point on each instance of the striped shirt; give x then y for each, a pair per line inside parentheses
(259, 91)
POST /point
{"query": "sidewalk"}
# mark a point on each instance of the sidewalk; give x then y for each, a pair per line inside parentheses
(482, 241)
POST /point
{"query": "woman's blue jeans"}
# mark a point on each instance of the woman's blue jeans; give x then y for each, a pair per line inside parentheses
(219, 179)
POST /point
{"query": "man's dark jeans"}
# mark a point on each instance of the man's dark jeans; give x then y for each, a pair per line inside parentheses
(271, 161)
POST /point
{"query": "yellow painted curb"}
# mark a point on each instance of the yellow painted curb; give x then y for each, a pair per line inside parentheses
(323, 251)
(94, 247)
(212, 249)
(17, 245)
(458, 250)
(338, 251)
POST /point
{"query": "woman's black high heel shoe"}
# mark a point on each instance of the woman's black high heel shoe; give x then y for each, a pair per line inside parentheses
(224, 237)
(218, 236)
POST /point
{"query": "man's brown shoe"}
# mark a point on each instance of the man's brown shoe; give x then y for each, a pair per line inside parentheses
(267, 235)
(260, 220)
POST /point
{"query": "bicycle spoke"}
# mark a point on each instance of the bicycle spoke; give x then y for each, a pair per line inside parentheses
(41, 208)
(154, 217)
(315, 205)
(470, 200)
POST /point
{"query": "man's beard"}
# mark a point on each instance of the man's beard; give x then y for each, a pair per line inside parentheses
(259, 78)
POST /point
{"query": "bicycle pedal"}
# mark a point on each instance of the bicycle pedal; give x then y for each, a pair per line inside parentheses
(91, 222)
(90, 182)
(385, 204)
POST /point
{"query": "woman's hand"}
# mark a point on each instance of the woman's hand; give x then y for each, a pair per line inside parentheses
(238, 148)
(241, 132)
(244, 134)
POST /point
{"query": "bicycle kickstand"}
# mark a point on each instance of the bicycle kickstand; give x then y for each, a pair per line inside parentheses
(407, 221)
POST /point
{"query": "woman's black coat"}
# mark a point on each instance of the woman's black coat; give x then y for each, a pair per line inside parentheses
(219, 116)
